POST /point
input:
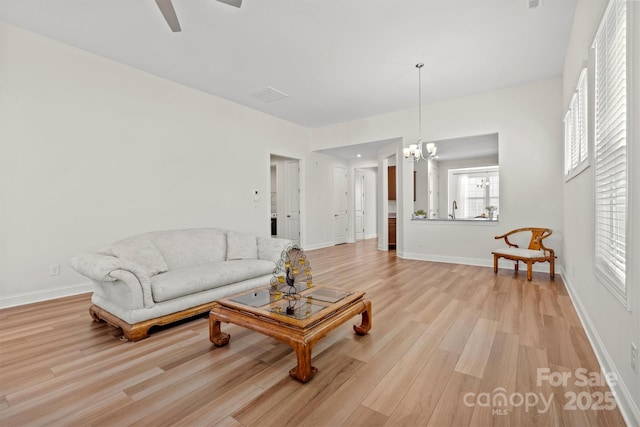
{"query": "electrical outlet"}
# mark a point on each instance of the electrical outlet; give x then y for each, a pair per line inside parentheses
(54, 269)
(634, 356)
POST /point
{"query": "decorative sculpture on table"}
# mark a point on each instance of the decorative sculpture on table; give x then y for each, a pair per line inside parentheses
(291, 275)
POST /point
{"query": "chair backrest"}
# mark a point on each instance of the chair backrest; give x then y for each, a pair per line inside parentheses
(537, 234)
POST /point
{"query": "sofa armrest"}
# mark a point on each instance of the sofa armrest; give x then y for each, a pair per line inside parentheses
(95, 266)
(106, 268)
(271, 249)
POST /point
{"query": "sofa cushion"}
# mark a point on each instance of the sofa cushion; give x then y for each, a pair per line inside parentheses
(241, 246)
(199, 278)
(184, 248)
(142, 252)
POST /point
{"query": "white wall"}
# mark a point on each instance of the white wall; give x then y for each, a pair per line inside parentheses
(92, 151)
(528, 121)
(611, 328)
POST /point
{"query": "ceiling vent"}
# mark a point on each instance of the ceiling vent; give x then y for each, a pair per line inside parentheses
(533, 4)
(267, 94)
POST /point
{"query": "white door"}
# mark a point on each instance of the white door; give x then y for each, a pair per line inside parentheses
(339, 205)
(359, 205)
(292, 200)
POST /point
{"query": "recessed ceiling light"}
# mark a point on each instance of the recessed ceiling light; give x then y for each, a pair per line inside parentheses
(359, 155)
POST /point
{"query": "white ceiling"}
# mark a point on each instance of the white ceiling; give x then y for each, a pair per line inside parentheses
(337, 60)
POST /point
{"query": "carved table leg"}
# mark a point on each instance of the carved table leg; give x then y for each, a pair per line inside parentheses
(365, 326)
(303, 372)
(216, 336)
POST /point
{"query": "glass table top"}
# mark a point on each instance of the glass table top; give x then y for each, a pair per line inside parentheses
(302, 305)
(256, 298)
(300, 308)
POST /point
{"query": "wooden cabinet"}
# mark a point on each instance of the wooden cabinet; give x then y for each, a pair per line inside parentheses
(392, 233)
(414, 186)
(391, 175)
(391, 179)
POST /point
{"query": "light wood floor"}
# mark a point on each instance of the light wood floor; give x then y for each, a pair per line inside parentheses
(442, 334)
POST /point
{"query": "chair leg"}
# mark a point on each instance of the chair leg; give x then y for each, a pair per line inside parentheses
(516, 266)
(495, 263)
(552, 268)
(529, 268)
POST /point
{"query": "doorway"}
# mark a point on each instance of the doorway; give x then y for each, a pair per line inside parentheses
(285, 198)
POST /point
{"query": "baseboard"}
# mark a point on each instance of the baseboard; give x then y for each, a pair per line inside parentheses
(44, 295)
(480, 262)
(627, 406)
(370, 236)
(318, 246)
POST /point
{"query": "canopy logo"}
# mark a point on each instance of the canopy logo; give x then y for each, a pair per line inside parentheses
(500, 401)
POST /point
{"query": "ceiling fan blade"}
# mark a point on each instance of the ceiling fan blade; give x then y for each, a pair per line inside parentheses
(236, 3)
(169, 13)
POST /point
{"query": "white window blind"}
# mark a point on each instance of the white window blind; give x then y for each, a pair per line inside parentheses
(568, 131)
(610, 149)
(576, 148)
(582, 121)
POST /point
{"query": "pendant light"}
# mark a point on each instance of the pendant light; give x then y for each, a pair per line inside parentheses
(414, 151)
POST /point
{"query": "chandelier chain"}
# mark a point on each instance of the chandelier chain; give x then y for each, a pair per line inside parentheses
(419, 66)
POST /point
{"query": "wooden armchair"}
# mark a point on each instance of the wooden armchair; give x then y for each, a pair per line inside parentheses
(536, 252)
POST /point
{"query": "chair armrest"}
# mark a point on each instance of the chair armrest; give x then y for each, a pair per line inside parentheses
(106, 268)
(549, 250)
(506, 239)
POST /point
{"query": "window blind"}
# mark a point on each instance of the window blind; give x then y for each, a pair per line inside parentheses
(581, 122)
(610, 149)
(575, 115)
(575, 129)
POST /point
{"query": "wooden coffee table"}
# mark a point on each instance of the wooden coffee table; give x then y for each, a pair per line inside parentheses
(317, 312)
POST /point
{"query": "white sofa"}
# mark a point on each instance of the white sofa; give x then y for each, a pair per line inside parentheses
(161, 277)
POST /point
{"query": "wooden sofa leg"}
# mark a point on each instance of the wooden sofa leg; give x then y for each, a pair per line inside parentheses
(495, 263)
(136, 332)
(529, 268)
(516, 266)
(140, 330)
(552, 268)
(94, 314)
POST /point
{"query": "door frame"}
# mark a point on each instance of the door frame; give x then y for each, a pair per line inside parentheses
(394, 149)
(359, 175)
(346, 203)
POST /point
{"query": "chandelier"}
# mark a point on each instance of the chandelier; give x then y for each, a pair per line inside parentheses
(414, 151)
(481, 183)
